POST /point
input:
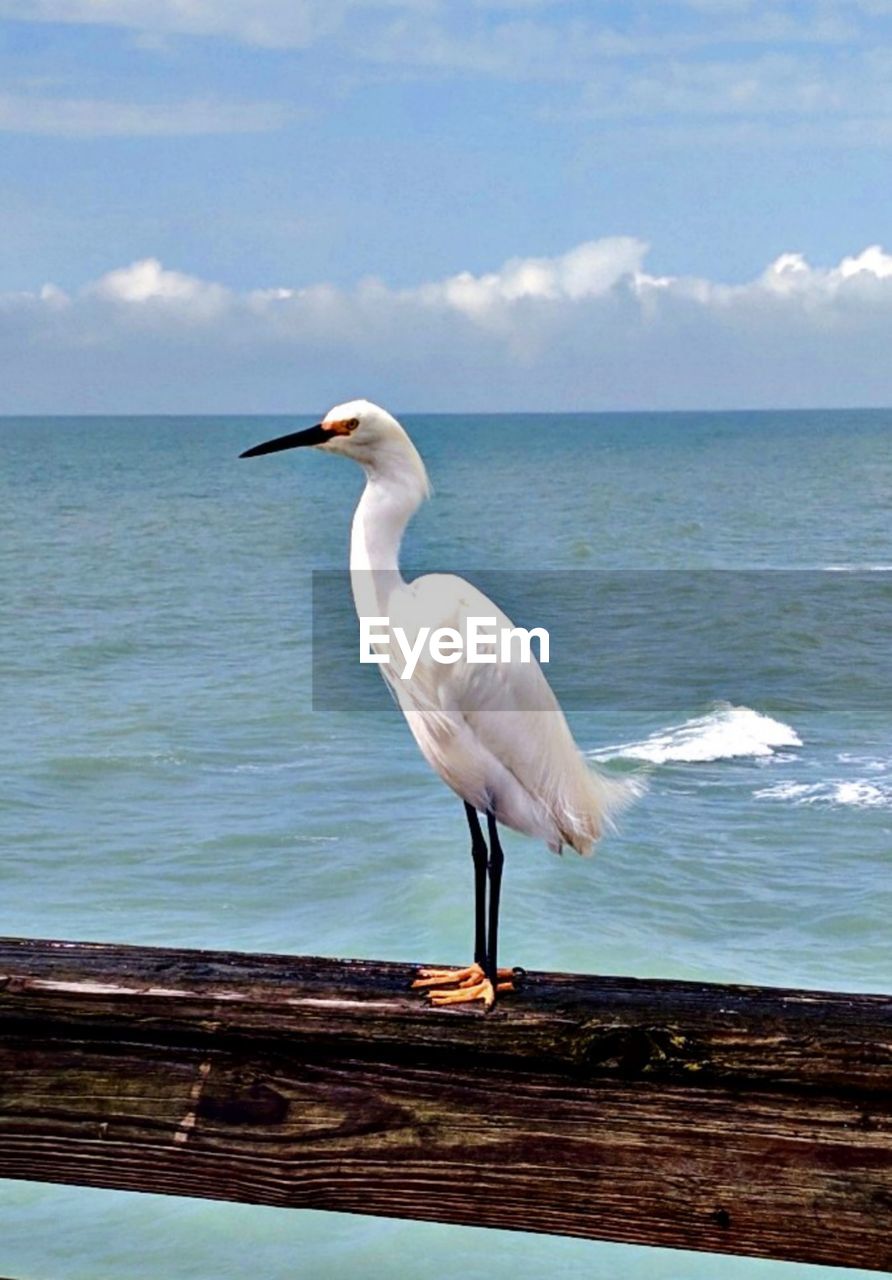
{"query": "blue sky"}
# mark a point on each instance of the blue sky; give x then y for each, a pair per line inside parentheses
(298, 189)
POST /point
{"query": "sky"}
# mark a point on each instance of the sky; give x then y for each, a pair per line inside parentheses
(275, 205)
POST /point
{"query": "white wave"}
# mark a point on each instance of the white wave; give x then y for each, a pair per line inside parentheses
(857, 568)
(872, 763)
(281, 766)
(726, 733)
(857, 794)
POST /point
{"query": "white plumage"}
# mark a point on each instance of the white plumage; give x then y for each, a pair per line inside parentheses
(493, 732)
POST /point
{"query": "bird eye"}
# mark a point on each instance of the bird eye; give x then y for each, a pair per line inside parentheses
(352, 424)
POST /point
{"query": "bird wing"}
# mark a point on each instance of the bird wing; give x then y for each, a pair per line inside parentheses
(495, 730)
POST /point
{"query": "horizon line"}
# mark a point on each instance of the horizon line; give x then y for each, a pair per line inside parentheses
(452, 413)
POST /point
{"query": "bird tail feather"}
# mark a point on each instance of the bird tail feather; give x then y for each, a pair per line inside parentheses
(590, 805)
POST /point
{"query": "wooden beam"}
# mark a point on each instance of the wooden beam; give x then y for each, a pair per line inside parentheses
(733, 1119)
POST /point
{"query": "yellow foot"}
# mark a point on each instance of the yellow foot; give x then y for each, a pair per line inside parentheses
(465, 993)
(467, 984)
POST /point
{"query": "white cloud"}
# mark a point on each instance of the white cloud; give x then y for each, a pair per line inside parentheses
(586, 271)
(589, 328)
(673, 65)
(292, 23)
(511, 37)
(791, 276)
(147, 283)
(789, 86)
(88, 118)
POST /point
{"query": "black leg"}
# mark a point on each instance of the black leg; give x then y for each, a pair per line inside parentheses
(480, 854)
(496, 861)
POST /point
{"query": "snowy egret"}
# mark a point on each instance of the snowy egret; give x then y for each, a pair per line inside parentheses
(493, 731)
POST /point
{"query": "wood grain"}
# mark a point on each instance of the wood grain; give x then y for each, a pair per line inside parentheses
(733, 1119)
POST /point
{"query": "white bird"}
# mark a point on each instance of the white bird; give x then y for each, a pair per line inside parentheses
(494, 732)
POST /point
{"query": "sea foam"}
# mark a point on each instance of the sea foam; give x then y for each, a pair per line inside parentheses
(858, 793)
(726, 732)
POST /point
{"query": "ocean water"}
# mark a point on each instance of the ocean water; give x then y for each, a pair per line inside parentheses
(179, 765)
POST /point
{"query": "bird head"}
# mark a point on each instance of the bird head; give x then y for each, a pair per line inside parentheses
(359, 430)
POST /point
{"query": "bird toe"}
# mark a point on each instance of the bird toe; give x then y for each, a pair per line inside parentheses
(447, 977)
(466, 994)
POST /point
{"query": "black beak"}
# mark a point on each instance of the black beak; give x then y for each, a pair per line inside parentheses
(296, 439)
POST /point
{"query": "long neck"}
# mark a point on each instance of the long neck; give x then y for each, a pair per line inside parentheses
(385, 508)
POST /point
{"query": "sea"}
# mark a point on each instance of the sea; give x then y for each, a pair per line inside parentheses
(182, 763)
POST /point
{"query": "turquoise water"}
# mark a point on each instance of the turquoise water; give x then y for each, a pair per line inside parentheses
(167, 778)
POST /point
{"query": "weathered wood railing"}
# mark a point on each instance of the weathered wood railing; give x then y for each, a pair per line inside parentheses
(733, 1119)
